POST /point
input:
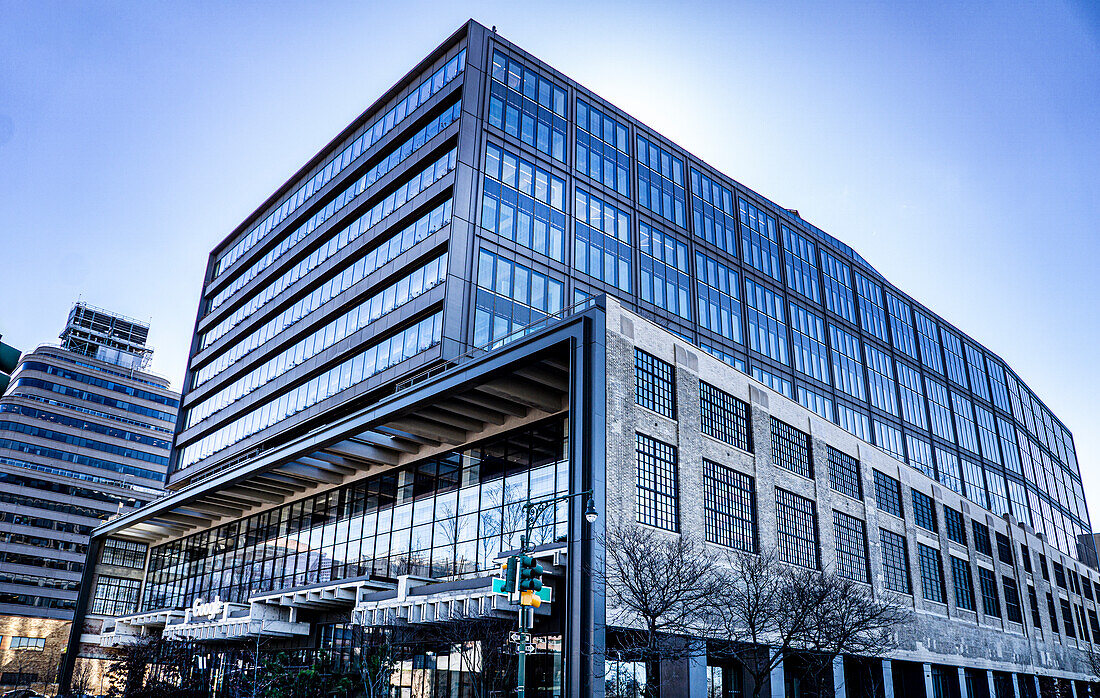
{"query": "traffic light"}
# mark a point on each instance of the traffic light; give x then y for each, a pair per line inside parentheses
(530, 581)
(508, 570)
(9, 358)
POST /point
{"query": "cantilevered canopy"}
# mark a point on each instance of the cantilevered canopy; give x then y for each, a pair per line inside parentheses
(491, 394)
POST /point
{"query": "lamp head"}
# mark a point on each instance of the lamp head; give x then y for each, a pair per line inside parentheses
(590, 513)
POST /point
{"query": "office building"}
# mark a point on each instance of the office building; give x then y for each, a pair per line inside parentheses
(85, 435)
(495, 286)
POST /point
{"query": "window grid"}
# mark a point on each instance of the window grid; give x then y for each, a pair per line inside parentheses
(924, 510)
(791, 449)
(115, 596)
(718, 295)
(964, 583)
(931, 573)
(764, 317)
(888, 494)
(663, 276)
(844, 474)
(954, 525)
(851, 547)
(801, 264)
(712, 209)
(981, 539)
(991, 605)
(729, 507)
(797, 524)
(1012, 600)
(1004, 549)
(759, 239)
(603, 148)
(725, 417)
(654, 384)
(658, 493)
(808, 344)
(895, 562)
(123, 553)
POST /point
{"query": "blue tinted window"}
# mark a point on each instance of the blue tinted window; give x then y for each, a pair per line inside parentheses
(872, 315)
(975, 363)
(730, 359)
(801, 264)
(987, 433)
(718, 296)
(847, 366)
(912, 395)
(920, 455)
(998, 492)
(1008, 446)
(853, 421)
(712, 209)
(664, 271)
(808, 344)
(901, 326)
(764, 316)
(838, 287)
(777, 383)
(819, 404)
(947, 464)
(888, 438)
(964, 422)
(953, 354)
(601, 244)
(939, 407)
(759, 240)
(661, 182)
(929, 343)
(975, 482)
(523, 203)
(997, 383)
(880, 379)
(511, 296)
(603, 148)
(527, 106)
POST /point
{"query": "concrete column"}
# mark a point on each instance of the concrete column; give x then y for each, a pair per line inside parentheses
(697, 673)
(840, 688)
(1016, 684)
(1035, 684)
(929, 690)
(962, 683)
(777, 683)
(989, 684)
(887, 678)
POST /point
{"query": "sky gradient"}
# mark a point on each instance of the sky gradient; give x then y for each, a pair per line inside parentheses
(956, 146)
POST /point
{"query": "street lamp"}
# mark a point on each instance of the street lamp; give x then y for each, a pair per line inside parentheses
(590, 513)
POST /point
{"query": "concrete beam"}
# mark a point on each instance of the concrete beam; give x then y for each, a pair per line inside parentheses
(523, 392)
(364, 452)
(311, 473)
(449, 418)
(482, 414)
(493, 404)
(431, 430)
(386, 441)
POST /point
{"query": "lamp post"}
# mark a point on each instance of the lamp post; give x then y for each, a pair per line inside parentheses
(533, 509)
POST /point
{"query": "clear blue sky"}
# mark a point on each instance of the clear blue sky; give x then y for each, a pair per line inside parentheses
(955, 145)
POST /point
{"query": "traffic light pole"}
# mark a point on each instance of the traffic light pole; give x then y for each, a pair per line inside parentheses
(533, 510)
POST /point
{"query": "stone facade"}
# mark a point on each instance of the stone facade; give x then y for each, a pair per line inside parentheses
(42, 664)
(940, 633)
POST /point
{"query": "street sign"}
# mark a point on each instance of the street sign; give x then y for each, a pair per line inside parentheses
(500, 586)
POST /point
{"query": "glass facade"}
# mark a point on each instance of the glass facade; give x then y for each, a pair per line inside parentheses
(821, 326)
(448, 516)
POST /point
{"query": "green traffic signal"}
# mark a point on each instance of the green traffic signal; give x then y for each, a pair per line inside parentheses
(530, 574)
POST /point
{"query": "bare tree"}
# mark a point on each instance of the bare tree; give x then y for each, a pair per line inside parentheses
(767, 611)
(659, 590)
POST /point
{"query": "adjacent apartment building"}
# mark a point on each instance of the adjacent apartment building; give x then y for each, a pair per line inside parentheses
(495, 287)
(85, 435)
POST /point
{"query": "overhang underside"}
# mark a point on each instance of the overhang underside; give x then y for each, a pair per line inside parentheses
(457, 407)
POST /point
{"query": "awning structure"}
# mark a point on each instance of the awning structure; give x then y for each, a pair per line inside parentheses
(431, 414)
